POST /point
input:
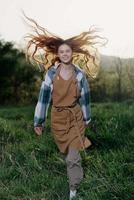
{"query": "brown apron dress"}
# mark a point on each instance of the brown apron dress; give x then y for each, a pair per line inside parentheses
(67, 125)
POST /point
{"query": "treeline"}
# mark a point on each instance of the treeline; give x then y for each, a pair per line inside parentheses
(114, 83)
(18, 78)
(20, 81)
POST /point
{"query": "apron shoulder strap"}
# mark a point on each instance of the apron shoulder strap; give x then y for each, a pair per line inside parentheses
(56, 73)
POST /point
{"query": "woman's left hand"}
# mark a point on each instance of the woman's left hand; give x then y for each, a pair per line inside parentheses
(88, 125)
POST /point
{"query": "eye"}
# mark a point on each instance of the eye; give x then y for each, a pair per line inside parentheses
(61, 51)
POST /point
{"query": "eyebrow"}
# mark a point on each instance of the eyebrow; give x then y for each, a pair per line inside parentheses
(65, 50)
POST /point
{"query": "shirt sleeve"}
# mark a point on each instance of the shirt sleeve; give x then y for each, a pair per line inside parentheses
(44, 99)
(84, 100)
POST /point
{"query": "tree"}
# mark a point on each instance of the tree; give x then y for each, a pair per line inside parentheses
(17, 77)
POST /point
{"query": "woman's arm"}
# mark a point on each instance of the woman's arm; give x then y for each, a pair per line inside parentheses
(43, 103)
(84, 100)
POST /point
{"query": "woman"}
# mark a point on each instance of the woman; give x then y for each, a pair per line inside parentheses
(66, 86)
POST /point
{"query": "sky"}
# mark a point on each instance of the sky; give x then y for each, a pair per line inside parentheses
(67, 18)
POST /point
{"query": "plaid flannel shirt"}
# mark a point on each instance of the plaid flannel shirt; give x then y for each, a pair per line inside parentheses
(45, 96)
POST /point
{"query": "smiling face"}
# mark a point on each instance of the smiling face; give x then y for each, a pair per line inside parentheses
(65, 53)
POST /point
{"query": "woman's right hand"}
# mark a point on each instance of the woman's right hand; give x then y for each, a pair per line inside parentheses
(38, 130)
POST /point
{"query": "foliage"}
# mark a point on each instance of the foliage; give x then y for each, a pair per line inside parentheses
(32, 168)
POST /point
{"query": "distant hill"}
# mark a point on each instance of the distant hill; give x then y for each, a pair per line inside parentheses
(110, 61)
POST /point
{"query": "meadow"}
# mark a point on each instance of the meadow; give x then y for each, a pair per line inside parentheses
(32, 168)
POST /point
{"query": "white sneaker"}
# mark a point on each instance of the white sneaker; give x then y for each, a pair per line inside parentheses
(72, 194)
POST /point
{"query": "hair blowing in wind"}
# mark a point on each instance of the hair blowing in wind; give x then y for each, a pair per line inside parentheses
(42, 47)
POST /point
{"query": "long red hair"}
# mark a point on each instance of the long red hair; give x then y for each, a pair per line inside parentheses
(42, 47)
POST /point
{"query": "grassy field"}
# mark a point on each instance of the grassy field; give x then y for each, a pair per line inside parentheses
(32, 168)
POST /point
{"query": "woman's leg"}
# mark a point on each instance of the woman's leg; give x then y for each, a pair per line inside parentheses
(74, 168)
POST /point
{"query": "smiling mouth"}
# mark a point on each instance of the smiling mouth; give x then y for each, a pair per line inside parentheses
(65, 58)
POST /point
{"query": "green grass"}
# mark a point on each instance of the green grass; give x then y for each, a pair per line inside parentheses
(32, 168)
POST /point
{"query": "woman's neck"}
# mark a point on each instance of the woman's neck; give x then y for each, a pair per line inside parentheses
(66, 66)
